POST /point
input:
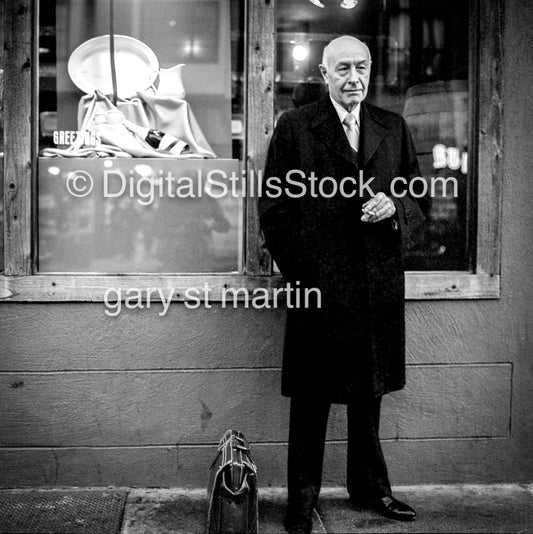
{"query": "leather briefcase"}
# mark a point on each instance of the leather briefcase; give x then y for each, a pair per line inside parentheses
(232, 489)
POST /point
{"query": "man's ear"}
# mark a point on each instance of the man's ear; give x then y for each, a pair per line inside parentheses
(324, 72)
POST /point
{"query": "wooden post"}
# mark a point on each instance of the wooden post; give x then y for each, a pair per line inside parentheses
(490, 141)
(18, 137)
(260, 123)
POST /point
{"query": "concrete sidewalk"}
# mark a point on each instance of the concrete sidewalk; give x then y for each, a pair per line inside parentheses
(468, 508)
(504, 508)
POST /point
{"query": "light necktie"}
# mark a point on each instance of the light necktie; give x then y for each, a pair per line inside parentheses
(352, 131)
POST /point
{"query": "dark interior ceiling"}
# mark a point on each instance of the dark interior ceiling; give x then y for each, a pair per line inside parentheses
(302, 15)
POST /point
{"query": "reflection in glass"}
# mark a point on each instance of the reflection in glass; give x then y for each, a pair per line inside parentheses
(126, 215)
(419, 54)
(196, 89)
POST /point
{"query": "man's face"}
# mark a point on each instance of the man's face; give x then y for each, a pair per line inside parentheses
(347, 72)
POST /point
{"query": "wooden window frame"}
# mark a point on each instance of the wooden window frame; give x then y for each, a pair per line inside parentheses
(18, 283)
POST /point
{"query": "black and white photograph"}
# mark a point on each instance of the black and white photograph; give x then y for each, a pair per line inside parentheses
(266, 266)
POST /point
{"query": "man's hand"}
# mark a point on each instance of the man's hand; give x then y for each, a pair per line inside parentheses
(378, 208)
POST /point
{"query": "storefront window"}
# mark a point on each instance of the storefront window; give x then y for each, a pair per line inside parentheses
(141, 118)
(420, 65)
(435, 62)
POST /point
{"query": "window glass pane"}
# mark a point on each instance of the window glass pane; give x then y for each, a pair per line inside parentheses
(145, 129)
(419, 54)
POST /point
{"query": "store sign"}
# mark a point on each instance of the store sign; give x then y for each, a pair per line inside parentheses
(68, 137)
(450, 158)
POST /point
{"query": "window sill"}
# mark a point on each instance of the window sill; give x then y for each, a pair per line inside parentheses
(92, 287)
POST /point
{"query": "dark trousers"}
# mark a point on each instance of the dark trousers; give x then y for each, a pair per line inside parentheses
(367, 476)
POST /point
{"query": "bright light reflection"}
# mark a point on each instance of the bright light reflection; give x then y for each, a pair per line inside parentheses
(143, 170)
(54, 171)
(300, 53)
(349, 4)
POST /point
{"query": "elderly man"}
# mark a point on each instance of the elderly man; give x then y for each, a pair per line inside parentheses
(347, 242)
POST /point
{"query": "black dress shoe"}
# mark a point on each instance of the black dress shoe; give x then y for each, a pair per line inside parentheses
(387, 506)
(394, 509)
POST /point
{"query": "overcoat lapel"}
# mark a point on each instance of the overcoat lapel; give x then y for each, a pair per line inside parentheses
(328, 129)
(373, 130)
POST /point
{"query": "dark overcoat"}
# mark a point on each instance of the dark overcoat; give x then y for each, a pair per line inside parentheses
(355, 340)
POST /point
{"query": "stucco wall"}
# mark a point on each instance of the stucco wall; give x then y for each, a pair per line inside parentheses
(141, 400)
